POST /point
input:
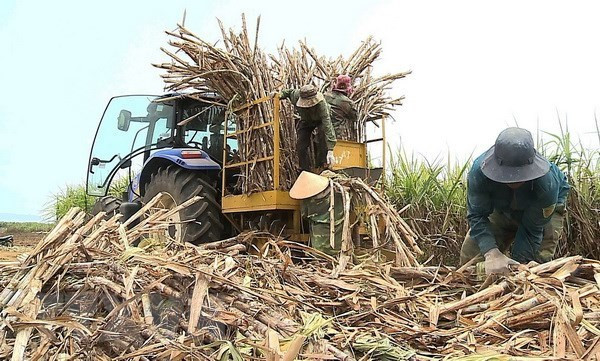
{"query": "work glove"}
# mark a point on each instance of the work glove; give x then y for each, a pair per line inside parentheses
(497, 262)
(330, 158)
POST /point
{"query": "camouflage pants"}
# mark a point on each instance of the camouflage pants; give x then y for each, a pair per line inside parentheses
(504, 230)
(320, 238)
(316, 209)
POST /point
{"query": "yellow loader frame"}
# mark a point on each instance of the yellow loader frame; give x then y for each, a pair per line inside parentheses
(347, 153)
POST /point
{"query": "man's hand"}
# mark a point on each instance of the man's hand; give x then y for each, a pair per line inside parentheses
(497, 262)
(330, 158)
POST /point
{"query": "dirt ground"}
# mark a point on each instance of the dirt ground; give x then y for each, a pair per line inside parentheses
(22, 243)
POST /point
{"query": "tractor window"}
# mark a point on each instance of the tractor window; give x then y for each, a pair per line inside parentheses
(130, 125)
(205, 131)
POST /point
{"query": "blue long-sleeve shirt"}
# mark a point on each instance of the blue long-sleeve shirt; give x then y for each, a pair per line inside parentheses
(531, 205)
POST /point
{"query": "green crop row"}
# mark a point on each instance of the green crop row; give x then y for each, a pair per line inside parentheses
(76, 196)
(21, 227)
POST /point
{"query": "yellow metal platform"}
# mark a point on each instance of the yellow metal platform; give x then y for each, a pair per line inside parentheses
(349, 154)
(261, 201)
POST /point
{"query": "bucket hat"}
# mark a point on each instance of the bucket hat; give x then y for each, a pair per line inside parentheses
(309, 96)
(513, 158)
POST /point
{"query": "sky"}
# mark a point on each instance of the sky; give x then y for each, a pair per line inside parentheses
(477, 68)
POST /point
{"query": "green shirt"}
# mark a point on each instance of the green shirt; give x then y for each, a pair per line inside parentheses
(317, 115)
(343, 111)
(531, 205)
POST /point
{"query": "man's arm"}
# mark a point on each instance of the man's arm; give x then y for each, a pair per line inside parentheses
(531, 230)
(291, 94)
(479, 207)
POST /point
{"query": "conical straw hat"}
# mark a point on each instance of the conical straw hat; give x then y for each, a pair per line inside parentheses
(307, 185)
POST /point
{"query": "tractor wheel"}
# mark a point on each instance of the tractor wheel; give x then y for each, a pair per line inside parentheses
(199, 223)
(108, 204)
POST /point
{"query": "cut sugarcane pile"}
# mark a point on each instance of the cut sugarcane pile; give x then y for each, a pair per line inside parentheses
(85, 293)
(239, 71)
(386, 228)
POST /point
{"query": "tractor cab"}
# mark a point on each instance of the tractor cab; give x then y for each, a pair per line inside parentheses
(137, 130)
(168, 148)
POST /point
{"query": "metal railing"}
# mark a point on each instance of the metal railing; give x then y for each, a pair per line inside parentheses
(275, 158)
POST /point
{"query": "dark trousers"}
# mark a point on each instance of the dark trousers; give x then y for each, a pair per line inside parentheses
(504, 230)
(303, 146)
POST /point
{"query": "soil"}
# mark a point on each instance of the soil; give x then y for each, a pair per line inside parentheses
(23, 242)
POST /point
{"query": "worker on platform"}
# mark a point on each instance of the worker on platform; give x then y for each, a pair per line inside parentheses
(515, 197)
(315, 193)
(314, 113)
(343, 110)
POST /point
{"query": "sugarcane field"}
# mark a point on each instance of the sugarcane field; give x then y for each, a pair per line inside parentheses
(352, 181)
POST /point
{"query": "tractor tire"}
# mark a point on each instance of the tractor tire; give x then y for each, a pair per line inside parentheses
(202, 221)
(108, 204)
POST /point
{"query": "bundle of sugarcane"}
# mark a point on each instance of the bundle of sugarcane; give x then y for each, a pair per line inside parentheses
(240, 72)
(371, 94)
(296, 67)
(385, 226)
(548, 310)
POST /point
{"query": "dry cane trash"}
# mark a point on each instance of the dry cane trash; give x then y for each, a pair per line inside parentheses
(86, 293)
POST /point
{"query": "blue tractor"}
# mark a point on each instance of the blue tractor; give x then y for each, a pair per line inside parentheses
(171, 145)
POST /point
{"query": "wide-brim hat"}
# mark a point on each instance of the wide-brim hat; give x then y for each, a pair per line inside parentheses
(513, 158)
(310, 101)
(308, 185)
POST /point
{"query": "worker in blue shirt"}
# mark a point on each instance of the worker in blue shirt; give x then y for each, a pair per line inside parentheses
(515, 197)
